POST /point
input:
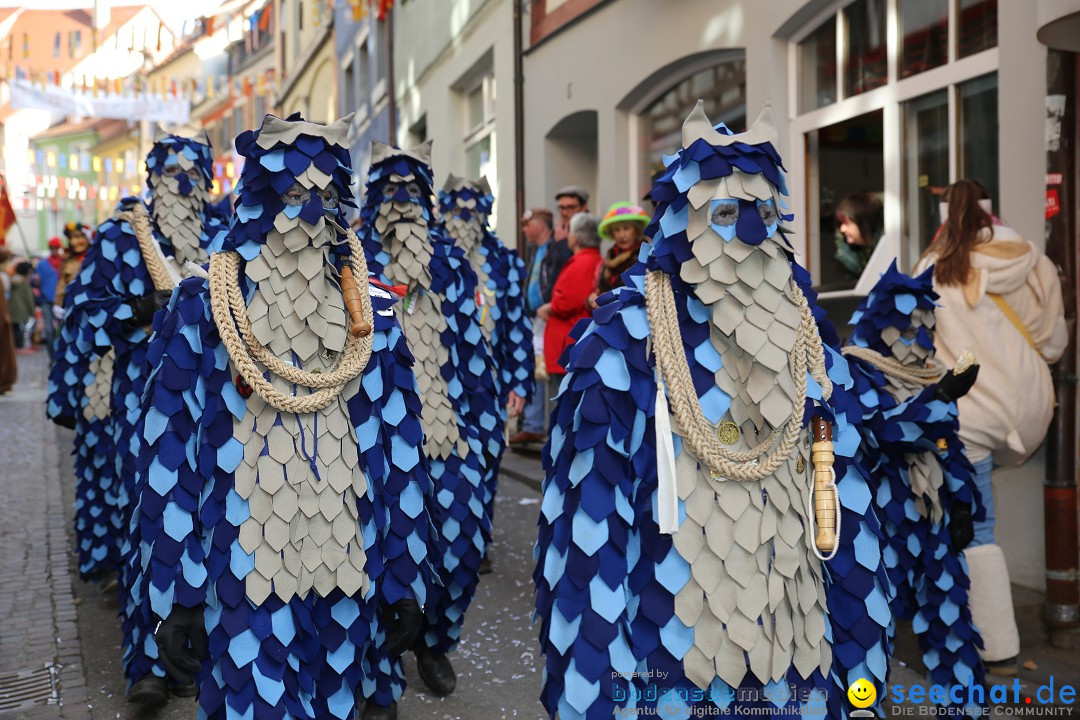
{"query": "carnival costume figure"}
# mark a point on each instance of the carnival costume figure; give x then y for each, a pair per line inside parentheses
(694, 552)
(922, 481)
(441, 322)
(466, 206)
(282, 518)
(137, 258)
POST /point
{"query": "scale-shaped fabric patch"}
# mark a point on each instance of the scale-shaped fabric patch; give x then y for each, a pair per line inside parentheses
(299, 652)
(733, 609)
(912, 452)
(441, 318)
(114, 275)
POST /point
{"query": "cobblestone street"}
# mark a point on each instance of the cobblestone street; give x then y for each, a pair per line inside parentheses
(47, 616)
(41, 670)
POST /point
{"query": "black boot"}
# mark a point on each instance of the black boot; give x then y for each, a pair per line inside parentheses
(151, 691)
(436, 671)
(372, 711)
(184, 691)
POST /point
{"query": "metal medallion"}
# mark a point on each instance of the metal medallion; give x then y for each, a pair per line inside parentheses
(728, 432)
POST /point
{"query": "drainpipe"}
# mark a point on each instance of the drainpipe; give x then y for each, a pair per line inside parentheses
(391, 86)
(519, 127)
(1060, 490)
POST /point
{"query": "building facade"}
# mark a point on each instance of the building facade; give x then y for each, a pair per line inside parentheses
(896, 98)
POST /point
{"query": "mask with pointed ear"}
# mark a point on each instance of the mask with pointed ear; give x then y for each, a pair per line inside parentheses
(160, 134)
(453, 182)
(484, 185)
(697, 126)
(380, 151)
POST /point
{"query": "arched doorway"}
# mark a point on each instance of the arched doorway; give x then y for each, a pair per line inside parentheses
(663, 100)
(571, 155)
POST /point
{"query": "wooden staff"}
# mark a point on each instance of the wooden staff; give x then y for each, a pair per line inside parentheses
(351, 293)
(824, 485)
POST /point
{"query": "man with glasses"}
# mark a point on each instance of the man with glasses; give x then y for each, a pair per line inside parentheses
(571, 200)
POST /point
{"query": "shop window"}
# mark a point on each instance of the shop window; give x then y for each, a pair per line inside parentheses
(926, 165)
(978, 127)
(865, 59)
(723, 89)
(817, 64)
(849, 170)
(977, 26)
(924, 29)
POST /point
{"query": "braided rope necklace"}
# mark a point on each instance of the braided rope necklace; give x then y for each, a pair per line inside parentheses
(139, 219)
(891, 366)
(230, 315)
(673, 370)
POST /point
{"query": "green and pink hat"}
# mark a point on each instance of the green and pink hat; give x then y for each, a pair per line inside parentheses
(623, 212)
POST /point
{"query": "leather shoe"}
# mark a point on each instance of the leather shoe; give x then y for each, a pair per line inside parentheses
(436, 671)
(151, 691)
(527, 437)
(372, 711)
(485, 567)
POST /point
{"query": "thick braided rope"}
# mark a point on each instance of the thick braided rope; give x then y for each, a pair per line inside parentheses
(139, 220)
(229, 310)
(891, 366)
(807, 354)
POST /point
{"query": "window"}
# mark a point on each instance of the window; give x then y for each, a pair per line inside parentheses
(479, 124)
(418, 133)
(977, 26)
(924, 29)
(722, 87)
(56, 46)
(348, 86)
(865, 56)
(74, 43)
(817, 66)
(363, 78)
(978, 128)
(926, 165)
(946, 130)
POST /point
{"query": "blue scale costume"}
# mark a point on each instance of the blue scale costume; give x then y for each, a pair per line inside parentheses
(440, 314)
(79, 391)
(711, 597)
(101, 322)
(466, 206)
(913, 454)
(237, 497)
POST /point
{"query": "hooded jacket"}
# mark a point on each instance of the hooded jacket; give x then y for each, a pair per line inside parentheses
(1008, 411)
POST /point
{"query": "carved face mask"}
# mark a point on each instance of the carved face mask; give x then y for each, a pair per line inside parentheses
(406, 195)
(310, 204)
(180, 175)
(734, 218)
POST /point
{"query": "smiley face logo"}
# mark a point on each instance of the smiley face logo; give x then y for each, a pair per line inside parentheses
(862, 693)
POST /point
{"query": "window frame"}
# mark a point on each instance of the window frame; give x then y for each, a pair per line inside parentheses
(888, 98)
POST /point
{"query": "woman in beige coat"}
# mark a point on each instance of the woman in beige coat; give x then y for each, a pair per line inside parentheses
(1001, 299)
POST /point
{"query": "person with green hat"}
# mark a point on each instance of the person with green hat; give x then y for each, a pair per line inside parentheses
(625, 224)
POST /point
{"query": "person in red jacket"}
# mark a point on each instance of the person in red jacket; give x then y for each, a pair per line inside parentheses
(569, 297)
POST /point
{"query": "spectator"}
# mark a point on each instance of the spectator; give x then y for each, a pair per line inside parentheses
(861, 222)
(625, 224)
(22, 306)
(78, 244)
(548, 257)
(8, 366)
(571, 200)
(48, 275)
(1001, 299)
(569, 297)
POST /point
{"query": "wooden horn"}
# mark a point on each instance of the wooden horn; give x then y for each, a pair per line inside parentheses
(822, 455)
(353, 303)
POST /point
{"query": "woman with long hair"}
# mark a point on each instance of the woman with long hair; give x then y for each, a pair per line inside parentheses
(1001, 299)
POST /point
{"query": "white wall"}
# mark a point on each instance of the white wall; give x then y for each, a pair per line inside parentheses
(429, 89)
(578, 70)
